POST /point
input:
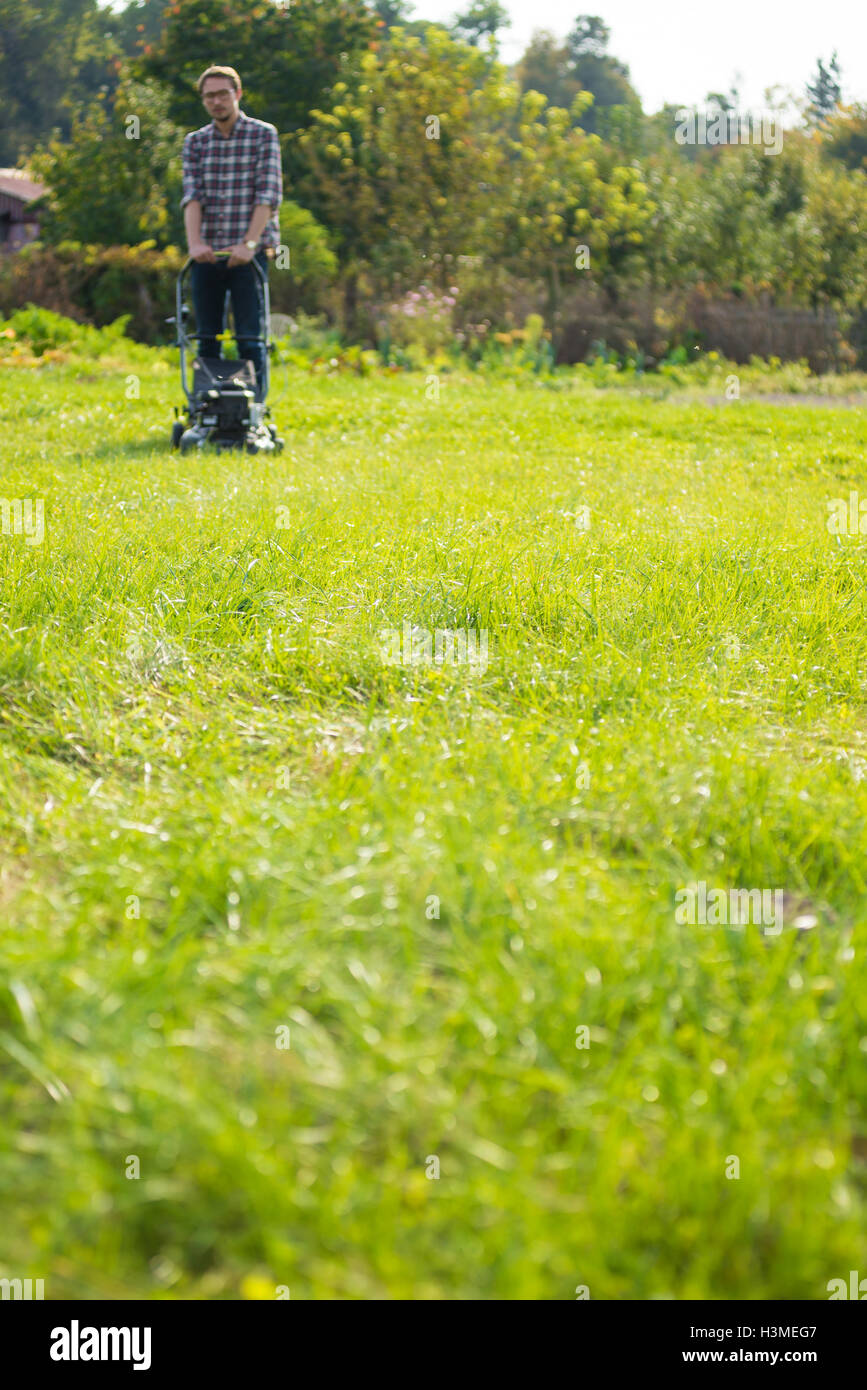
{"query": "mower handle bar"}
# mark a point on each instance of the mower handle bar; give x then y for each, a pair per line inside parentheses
(183, 337)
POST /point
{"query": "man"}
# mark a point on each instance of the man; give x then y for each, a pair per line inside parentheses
(233, 187)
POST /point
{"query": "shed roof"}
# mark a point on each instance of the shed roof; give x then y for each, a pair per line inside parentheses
(17, 183)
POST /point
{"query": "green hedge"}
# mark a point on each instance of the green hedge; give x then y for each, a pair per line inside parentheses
(96, 284)
(99, 284)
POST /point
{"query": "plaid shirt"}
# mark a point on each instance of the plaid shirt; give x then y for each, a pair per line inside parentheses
(230, 176)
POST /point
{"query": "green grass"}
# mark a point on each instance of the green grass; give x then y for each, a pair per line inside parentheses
(223, 814)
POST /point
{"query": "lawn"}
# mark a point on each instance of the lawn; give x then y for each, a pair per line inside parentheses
(372, 971)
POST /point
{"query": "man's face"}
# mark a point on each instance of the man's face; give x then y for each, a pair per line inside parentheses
(220, 98)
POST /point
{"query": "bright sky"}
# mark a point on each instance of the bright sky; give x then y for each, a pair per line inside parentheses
(679, 52)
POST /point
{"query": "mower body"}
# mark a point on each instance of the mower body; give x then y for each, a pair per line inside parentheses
(221, 404)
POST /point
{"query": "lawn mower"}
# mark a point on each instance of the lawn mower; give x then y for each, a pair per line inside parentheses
(221, 407)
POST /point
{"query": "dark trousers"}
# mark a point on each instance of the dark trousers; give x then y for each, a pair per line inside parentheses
(210, 280)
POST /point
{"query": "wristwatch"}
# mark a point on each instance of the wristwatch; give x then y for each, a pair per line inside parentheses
(252, 244)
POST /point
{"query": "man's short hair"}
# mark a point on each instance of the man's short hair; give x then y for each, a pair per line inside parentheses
(219, 72)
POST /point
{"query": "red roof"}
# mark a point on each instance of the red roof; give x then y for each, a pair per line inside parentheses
(17, 184)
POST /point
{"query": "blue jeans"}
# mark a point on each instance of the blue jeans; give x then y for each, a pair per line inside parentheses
(210, 280)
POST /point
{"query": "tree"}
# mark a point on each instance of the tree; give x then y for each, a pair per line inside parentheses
(53, 56)
(137, 24)
(398, 170)
(726, 101)
(483, 17)
(836, 212)
(846, 133)
(392, 12)
(745, 223)
(596, 71)
(589, 37)
(560, 70)
(437, 158)
(561, 189)
(117, 180)
(545, 67)
(823, 93)
(288, 57)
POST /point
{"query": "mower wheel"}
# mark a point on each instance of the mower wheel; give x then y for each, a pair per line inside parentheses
(177, 430)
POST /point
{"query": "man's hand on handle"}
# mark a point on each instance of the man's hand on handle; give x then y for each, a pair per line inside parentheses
(241, 254)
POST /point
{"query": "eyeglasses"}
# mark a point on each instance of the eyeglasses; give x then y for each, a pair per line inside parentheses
(212, 96)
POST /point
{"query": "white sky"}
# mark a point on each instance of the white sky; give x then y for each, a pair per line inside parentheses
(678, 52)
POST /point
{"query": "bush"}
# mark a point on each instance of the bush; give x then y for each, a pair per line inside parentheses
(34, 337)
(43, 331)
(312, 269)
(421, 320)
(99, 284)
